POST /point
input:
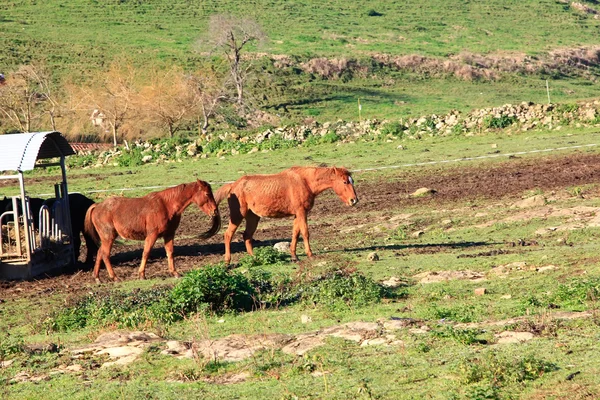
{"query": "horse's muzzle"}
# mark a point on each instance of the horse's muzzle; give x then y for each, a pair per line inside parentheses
(353, 201)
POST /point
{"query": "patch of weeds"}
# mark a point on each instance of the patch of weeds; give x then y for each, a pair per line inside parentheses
(263, 256)
(462, 313)
(462, 336)
(500, 122)
(342, 289)
(393, 128)
(399, 234)
(212, 288)
(271, 290)
(100, 308)
(498, 370)
(577, 293)
(11, 345)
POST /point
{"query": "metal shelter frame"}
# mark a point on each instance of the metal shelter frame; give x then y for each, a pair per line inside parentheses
(20, 153)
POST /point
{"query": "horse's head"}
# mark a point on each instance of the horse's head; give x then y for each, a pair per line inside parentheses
(343, 186)
(204, 199)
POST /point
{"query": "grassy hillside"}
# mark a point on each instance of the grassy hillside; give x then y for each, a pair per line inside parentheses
(78, 36)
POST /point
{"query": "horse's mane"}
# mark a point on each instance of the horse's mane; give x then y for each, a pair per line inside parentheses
(174, 192)
(332, 169)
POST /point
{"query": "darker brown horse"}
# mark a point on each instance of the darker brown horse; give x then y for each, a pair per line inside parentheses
(289, 193)
(147, 218)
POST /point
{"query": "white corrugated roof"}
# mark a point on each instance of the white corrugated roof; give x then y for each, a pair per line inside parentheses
(19, 152)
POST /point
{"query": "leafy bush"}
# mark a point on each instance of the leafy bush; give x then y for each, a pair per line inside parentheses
(213, 288)
(81, 161)
(272, 290)
(577, 292)
(463, 336)
(496, 369)
(393, 128)
(130, 158)
(339, 289)
(499, 122)
(10, 345)
(126, 309)
(263, 256)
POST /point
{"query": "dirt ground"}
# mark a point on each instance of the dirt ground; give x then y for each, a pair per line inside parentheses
(457, 185)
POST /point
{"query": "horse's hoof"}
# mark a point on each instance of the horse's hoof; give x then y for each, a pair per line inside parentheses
(98, 281)
(142, 277)
(295, 260)
(115, 279)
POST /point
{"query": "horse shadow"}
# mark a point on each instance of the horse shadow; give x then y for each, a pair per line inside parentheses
(123, 258)
(399, 247)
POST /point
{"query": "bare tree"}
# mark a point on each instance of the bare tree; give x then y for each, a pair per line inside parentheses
(232, 35)
(113, 95)
(22, 98)
(168, 98)
(210, 89)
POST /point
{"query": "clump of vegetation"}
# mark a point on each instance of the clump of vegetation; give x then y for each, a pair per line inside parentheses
(213, 288)
(99, 308)
(342, 289)
(463, 336)
(577, 293)
(10, 345)
(263, 256)
(498, 370)
(500, 122)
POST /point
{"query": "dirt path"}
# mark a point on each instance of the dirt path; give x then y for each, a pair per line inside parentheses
(459, 184)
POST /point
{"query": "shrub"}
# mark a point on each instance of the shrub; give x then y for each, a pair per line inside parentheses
(341, 289)
(10, 345)
(130, 158)
(212, 288)
(577, 292)
(499, 122)
(263, 256)
(495, 369)
(393, 128)
(463, 336)
(101, 308)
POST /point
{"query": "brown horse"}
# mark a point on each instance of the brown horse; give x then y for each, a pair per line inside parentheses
(289, 193)
(147, 218)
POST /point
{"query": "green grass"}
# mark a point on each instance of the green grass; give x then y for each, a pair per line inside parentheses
(448, 361)
(77, 37)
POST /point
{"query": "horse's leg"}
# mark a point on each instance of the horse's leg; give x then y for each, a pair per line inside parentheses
(169, 249)
(295, 233)
(235, 219)
(97, 265)
(106, 247)
(104, 255)
(303, 225)
(148, 244)
(251, 224)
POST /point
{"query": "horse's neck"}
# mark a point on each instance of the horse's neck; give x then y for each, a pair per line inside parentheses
(318, 181)
(177, 205)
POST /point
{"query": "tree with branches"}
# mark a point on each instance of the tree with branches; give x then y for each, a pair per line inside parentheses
(25, 96)
(168, 98)
(232, 35)
(210, 88)
(113, 95)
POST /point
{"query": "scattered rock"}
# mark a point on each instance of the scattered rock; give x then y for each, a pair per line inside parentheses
(441, 276)
(507, 337)
(480, 291)
(417, 234)
(373, 256)
(393, 282)
(305, 319)
(546, 268)
(6, 363)
(506, 296)
(421, 192)
(282, 247)
(534, 201)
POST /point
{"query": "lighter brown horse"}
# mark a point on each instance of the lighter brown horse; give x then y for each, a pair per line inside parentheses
(289, 193)
(147, 218)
